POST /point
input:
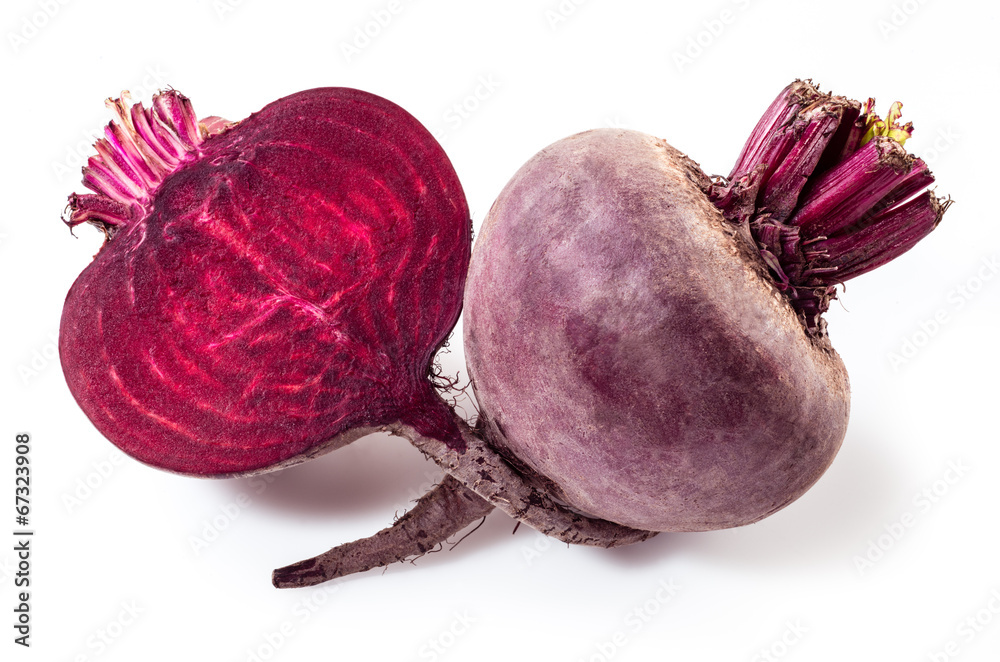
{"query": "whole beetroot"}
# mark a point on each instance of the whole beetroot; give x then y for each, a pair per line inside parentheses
(650, 343)
(656, 376)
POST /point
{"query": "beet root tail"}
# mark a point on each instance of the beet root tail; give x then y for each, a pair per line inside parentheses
(443, 511)
(481, 469)
(477, 480)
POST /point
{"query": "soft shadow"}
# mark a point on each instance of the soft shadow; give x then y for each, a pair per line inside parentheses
(829, 524)
(375, 473)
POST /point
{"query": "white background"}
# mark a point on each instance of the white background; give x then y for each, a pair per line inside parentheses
(527, 73)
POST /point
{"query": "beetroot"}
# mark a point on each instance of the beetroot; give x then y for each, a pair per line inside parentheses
(670, 370)
(270, 289)
(655, 377)
(646, 343)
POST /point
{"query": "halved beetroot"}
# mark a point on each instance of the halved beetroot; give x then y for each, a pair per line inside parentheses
(276, 288)
(269, 289)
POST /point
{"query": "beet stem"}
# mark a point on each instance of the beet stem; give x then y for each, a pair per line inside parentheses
(778, 115)
(844, 194)
(890, 234)
(443, 511)
(782, 188)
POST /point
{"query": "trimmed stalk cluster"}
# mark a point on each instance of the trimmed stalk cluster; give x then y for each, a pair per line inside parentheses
(828, 192)
(139, 149)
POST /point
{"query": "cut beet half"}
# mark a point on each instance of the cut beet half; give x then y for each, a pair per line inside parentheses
(276, 288)
(269, 289)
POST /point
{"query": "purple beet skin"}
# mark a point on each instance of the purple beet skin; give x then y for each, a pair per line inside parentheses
(648, 343)
(656, 375)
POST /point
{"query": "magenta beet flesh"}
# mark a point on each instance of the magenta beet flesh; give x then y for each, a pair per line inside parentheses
(269, 289)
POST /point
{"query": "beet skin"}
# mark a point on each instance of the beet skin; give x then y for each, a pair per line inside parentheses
(657, 378)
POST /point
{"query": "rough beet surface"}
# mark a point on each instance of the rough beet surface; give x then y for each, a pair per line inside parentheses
(656, 377)
(281, 292)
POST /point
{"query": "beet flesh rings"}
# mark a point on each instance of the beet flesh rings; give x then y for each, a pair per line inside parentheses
(282, 292)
